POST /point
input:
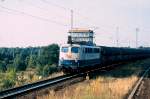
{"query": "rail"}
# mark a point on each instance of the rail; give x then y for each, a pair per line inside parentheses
(13, 92)
(137, 84)
(17, 91)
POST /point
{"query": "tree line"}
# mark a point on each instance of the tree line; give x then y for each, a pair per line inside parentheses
(31, 57)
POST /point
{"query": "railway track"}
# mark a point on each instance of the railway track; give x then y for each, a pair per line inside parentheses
(14, 92)
(18, 91)
(132, 93)
(22, 90)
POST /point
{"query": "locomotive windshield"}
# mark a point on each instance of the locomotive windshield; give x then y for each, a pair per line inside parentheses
(74, 49)
(64, 49)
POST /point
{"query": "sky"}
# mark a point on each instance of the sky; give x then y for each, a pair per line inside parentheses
(26, 23)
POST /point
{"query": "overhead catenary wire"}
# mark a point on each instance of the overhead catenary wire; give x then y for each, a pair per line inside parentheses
(69, 10)
(56, 5)
(8, 12)
(33, 16)
(43, 9)
(63, 8)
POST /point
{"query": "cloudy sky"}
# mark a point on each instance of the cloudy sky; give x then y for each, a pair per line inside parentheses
(41, 22)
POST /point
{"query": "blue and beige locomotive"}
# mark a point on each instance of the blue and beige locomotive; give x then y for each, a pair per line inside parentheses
(76, 57)
(82, 54)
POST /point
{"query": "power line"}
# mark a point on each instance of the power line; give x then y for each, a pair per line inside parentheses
(62, 7)
(42, 8)
(66, 9)
(37, 17)
(56, 5)
(8, 12)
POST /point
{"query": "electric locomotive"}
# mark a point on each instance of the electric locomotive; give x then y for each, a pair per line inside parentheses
(77, 57)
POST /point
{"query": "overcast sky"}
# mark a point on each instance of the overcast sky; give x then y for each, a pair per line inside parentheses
(41, 22)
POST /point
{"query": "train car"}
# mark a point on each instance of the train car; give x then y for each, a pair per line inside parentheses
(110, 55)
(76, 57)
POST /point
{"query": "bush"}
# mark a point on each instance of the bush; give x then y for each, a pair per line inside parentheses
(46, 70)
(7, 83)
(9, 79)
(49, 70)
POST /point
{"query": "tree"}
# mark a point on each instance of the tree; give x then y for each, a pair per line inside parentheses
(2, 67)
(51, 54)
(19, 63)
(21, 58)
(32, 61)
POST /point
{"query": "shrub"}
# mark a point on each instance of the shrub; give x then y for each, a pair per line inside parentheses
(9, 79)
(46, 70)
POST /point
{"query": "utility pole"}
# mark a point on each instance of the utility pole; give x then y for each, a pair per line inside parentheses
(117, 36)
(129, 43)
(71, 19)
(137, 30)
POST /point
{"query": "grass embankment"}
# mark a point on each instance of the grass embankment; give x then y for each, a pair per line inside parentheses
(30, 76)
(114, 84)
(14, 79)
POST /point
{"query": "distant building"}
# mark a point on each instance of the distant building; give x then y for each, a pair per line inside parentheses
(81, 36)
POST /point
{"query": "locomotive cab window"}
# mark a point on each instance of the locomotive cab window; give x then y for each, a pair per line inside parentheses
(74, 49)
(64, 49)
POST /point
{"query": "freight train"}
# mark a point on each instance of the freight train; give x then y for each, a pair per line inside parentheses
(77, 57)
